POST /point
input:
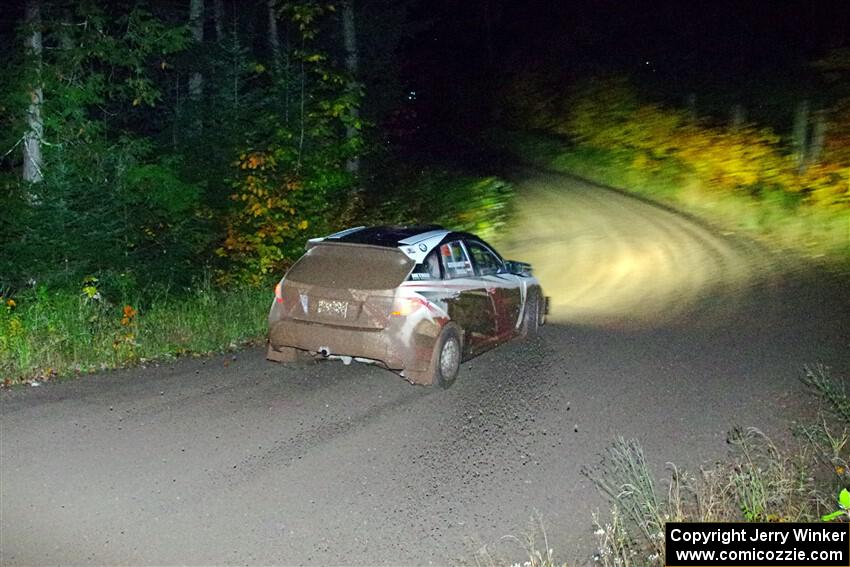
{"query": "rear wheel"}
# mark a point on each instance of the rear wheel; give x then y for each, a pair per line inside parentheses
(445, 360)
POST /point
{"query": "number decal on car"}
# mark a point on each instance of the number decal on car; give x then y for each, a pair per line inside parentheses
(332, 307)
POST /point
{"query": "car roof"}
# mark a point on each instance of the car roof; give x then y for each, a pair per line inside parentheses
(390, 236)
(414, 241)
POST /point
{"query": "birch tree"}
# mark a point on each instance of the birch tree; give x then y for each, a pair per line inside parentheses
(218, 15)
(274, 39)
(32, 171)
(351, 63)
(196, 27)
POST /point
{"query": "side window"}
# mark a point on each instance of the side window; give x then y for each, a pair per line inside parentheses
(485, 261)
(429, 269)
(455, 262)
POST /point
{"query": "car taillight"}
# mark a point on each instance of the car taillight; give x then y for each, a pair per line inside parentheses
(278, 296)
(404, 306)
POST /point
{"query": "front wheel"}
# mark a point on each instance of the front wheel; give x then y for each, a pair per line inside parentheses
(446, 358)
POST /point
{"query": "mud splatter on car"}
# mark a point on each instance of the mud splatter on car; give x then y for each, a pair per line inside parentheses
(414, 300)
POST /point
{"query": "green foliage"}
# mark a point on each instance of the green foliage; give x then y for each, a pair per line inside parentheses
(158, 188)
(818, 380)
(126, 211)
(829, 435)
(843, 504)
(45, 334)
(145, 227)
(461, 202)
(106, 203)
(274, 209)
(606, 113)
(148, 187)
(290, 174)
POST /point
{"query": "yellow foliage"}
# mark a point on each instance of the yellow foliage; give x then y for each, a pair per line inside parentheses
(728, 159)
(264, 222)
(607, 115)
(827, 184)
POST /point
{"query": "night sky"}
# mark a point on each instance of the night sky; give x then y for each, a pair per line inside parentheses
(721, 35)
(726, 46)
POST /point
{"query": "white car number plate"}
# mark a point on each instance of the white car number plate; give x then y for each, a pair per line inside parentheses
(332, 307)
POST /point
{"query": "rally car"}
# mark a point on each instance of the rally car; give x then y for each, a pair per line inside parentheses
(414, 300)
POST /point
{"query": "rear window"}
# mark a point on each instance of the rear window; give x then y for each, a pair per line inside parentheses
(351, 266)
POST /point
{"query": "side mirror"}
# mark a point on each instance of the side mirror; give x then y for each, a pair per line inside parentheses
(518, 268)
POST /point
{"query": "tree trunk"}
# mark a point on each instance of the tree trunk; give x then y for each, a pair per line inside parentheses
(274, 40)
(196, 27)
(302, 108)
(691, 107)
(800, 134)
(350, 40)
(33, 172)
(818, 136)
(218, 14)
(287, 72)
(738, 116)
(235, 62)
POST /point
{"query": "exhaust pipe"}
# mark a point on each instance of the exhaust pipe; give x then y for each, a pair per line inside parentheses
(325, 351)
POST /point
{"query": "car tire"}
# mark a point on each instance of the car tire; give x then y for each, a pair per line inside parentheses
(447, 356)
(530, 317)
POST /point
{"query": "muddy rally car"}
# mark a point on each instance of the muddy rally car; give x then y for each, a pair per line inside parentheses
(414, 300)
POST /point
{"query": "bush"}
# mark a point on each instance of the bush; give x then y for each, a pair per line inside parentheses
(457, 201)
(48, 333)
(606, 113)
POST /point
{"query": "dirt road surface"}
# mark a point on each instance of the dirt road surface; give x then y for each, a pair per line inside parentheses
(662, 329)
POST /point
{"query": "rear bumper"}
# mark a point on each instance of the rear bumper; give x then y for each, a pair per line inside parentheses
(395, 348)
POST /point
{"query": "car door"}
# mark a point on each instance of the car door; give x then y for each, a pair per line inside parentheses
(504, 289)
(469, 303)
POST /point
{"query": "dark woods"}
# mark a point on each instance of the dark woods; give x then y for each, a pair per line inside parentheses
(146, 143)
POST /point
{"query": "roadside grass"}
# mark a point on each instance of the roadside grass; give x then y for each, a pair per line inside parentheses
(760, 481)
(530, 542)
(48, 334)
(772, 216)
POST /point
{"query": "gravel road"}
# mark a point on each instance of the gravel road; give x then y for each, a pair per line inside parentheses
(662, 329)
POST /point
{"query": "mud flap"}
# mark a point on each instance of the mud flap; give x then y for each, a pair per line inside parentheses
(285, 354)
(420, 378)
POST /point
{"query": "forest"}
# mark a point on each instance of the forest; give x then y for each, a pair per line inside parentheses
(163, 162)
